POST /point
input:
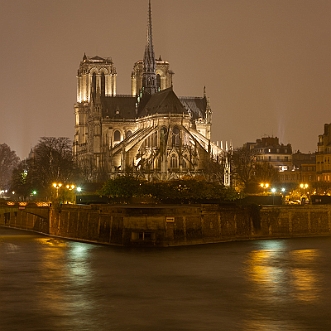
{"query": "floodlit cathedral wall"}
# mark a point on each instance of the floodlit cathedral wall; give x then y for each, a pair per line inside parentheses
(151, 132)
(94, 73)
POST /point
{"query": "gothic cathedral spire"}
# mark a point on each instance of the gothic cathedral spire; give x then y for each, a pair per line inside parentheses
(149, 75)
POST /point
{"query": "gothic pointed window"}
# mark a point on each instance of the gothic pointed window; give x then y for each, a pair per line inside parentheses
(94, 84)
(117, 136)
(174, 161)
(163, 136)
(103, 85)
(175, 137)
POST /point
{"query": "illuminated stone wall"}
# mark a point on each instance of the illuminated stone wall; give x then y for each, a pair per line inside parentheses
(170, 225)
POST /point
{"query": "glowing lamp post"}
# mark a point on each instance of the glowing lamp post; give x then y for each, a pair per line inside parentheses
(273, 190)
(264, 186)
(57, 186)
(304, 188)
(70, 193)
(70, 187)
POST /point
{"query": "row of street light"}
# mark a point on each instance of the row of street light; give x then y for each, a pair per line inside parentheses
(266, 186)
(68, 187)
(299, 195)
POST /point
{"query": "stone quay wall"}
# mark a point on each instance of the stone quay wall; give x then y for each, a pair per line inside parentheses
(171, 225)
(30, 217)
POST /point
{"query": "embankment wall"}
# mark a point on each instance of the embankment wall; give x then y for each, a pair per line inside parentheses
(171, 225)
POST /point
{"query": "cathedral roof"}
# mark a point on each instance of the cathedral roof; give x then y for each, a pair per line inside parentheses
(96, 59)
(163, 102)
(121, 107)
(197, 106)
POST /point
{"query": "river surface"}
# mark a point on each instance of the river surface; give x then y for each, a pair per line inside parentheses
(53, 284)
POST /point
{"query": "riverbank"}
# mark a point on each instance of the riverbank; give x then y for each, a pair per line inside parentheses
(169, 225)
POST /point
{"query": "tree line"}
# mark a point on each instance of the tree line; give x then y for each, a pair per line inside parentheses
(51, 160)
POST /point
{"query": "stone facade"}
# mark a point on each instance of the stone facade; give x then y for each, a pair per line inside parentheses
(170, 225)
(323, 156)
(152, 132)
(268, 149)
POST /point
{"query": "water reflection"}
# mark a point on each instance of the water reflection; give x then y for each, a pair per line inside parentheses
(305, 280)
(55, 285)
(278, 272)
(282, 277)
(264, 324)
(65, 277)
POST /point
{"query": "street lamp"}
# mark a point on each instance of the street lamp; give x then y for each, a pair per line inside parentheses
(70, 187)
(273, 190)
(264, 186)
(305, 194)
(57, 186)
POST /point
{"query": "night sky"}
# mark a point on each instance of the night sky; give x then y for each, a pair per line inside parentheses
(266, 64)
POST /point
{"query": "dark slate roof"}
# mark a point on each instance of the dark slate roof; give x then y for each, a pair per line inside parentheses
(97, 58)
(163, 102)
(196, 105)
(119, 107)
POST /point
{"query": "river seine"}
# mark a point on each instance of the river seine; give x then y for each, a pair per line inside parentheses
(53, 284)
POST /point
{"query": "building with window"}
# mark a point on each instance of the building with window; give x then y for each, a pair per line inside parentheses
(303, 170)
(152, 132)
(323, 155)
(268, 149)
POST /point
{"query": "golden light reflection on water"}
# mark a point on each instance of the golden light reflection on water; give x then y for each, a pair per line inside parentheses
(65, 270)
(282, 278)
(282, 274)
(263, 324)
(304, 279)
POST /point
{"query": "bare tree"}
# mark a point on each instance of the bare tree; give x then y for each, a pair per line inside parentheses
(20, 182)
(265, 172)
(51, 161)
(244, 160)
(8, 162)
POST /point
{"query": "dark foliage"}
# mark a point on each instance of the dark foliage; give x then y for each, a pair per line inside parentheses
(8, 162)
(51, 161)
(175, 191)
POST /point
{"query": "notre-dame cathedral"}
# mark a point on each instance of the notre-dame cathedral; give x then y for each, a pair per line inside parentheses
(152, 133)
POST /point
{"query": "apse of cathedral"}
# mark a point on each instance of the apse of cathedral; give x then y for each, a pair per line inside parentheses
(152, 133)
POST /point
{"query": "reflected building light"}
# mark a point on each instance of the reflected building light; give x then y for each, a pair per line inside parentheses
(79, 251)
(305, 280)
(275, 271)
(305, 284)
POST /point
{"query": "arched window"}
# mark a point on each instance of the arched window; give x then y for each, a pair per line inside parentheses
(175, 136)
(94, 84)
(128, 133)
(103, 84)
(184, 164)
(117, 136)
(163, 135)
(174, 161)
(158, 82)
